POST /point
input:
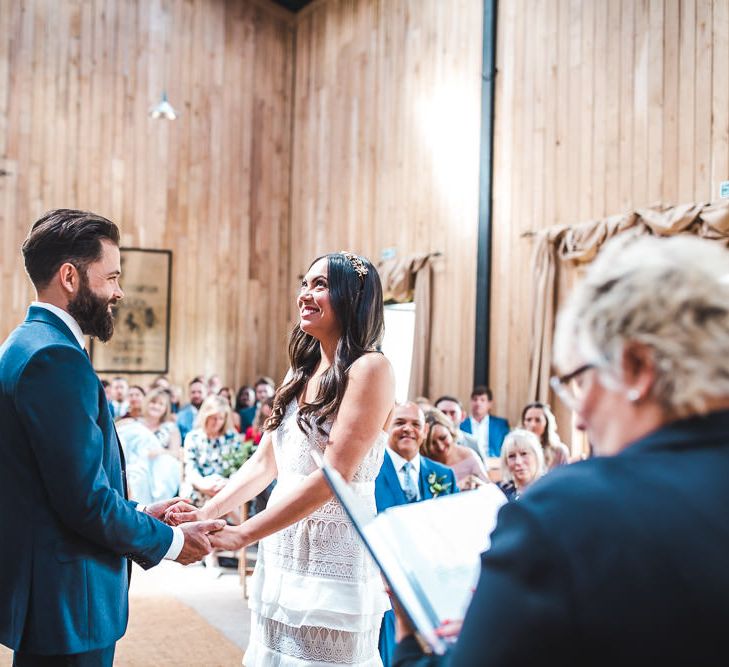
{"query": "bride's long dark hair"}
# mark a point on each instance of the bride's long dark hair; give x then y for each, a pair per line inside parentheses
(357, 303)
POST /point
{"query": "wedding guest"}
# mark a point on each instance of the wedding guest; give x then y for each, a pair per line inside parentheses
(423, 402)
(227, 393)
(245, 398)
(107, 390)
(160, 382)
(539, 419)
(157, 417)
(186, 417)
(452, 408)
(440, 445)
(407, 476)
(326, 602)
(256, 430)
(264, 388)
(622, 559)
(119, 404)
(206, 448)
(135, 400)
(488, 429)
(522, 462)
(175, 399)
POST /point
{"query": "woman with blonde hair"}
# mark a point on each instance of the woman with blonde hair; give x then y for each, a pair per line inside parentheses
(538, 418)
(522, 462)
(440, 445)
(206, 448)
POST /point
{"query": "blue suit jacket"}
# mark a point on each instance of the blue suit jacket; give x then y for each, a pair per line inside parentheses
(388, 491)
(498, 430)
(67, 527)
(612, 561)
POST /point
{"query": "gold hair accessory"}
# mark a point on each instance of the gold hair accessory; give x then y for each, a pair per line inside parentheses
(357, 264)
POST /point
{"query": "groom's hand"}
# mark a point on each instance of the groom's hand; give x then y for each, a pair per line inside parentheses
(157, 510)
(197, 540)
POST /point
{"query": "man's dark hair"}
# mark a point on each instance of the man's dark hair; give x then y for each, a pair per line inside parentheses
(265, 380)
(480, 390)
(65, 235)
(453, 399)
(198, 379)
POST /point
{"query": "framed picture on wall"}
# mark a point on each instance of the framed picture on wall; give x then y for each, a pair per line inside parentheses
(141, 340)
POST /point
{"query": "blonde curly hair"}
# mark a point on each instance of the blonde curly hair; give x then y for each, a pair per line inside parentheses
(670, 294)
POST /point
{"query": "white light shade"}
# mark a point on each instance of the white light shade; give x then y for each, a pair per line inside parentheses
(163, 109)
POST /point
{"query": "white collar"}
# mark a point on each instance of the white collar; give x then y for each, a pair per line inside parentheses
(398, 461)
(69, 321)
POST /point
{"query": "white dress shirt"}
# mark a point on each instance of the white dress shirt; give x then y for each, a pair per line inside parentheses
(398, 461)
(178, 538)
(480, 431)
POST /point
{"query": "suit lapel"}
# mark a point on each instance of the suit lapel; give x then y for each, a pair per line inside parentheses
(424, 472)
(392, 481)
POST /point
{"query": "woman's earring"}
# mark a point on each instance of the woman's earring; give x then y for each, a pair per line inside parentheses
(633, 395)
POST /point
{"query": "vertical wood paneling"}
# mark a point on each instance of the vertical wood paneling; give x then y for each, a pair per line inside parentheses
(77, 79)
(642, 92)
(385, 149)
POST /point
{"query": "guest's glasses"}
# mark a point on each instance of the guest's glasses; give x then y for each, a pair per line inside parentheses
(571, 387)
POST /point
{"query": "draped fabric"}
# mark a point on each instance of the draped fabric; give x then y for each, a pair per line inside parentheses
(410, 279)
(575, 245)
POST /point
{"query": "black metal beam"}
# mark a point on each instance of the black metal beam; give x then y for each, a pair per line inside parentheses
(483, 270)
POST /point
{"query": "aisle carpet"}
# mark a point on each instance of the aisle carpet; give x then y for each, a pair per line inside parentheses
(163, 632)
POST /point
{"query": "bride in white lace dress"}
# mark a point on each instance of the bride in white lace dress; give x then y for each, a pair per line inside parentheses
(317, 598)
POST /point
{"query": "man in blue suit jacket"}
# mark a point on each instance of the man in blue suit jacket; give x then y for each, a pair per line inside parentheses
(395, 486)
(69, 531)
(488, 430)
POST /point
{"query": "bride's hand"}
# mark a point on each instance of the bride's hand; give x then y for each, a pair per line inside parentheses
(182, 512)
(230, 538)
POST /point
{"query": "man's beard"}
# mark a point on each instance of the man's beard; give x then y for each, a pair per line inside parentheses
(91, 312)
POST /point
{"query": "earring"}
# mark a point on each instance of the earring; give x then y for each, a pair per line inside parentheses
(633, 395)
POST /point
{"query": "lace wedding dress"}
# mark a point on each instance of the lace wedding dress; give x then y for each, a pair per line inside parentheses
(316, 596)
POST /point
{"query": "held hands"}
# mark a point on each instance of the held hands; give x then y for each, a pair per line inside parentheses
(230, 538)
(198, 540)
(159, 509)
(182, 512)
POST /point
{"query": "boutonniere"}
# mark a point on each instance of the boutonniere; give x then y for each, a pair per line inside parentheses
(438, 485)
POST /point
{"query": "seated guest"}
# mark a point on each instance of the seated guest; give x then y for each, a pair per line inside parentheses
(622, 559)
(153, 464)
(135, 399)
(440, 445)
(214, 384)
(488, 430)
(255, 431)
(522, 462)
(452, 408)
(160, 382)
(206, 447)
(540, 420)
(227, 393)
(107, 390)
(157, 417)
(119, 404)
(186, 417)
(265, 388)
(407, 477)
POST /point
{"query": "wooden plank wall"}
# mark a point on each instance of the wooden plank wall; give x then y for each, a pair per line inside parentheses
(385, 149)
(77, 78)
(601, 107)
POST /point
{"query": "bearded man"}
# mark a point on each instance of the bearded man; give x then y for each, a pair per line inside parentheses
(69, 531)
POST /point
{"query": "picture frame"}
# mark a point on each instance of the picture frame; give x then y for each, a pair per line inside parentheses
(141, 340)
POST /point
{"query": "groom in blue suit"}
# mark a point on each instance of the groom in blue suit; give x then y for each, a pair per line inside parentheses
(69, 531)
(406, 477)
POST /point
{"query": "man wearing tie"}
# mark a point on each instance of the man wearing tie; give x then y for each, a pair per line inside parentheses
(69, 530)
(406, 477)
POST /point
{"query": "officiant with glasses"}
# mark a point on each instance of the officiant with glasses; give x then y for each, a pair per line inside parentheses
(621, 559)
(406, 477)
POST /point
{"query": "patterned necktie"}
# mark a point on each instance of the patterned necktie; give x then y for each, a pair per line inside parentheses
(409, 488)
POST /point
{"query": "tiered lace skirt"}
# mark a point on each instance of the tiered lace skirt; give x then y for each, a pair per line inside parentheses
(316, 596)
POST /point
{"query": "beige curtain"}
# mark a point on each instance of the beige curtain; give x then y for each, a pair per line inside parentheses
(573, 245)
(410, 279)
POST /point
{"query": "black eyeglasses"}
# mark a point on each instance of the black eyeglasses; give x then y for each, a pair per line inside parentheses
(566, 387)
